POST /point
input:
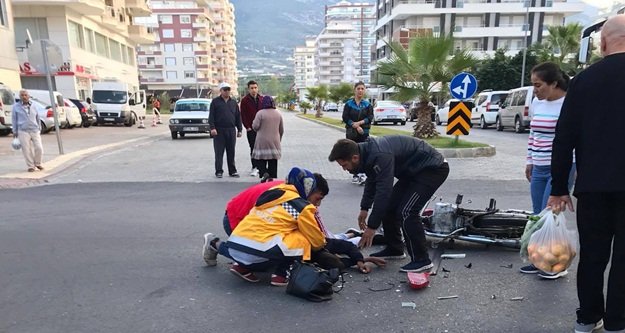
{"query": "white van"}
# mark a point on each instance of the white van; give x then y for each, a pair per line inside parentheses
(118, 103)
(515, 110)
(72, 115)
(6, 107)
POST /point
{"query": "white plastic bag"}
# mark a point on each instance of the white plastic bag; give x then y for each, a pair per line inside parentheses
(15, 144)
(553, 247)
(534, 223)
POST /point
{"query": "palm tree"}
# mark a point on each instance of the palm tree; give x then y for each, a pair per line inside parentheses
(564, 40)
(317, 95)
(416, 72)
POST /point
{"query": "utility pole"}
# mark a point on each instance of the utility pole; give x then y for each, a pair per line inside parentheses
(362, 33)
(526, 27)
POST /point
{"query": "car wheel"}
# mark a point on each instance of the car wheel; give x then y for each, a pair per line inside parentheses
(375, 122)
(403, 123)
(518, 128)
(44, 129)
(182, 135)
(483, 123)
(438, 120)
(5, 132)
(498, 124)
(174, 135)
(130, 121)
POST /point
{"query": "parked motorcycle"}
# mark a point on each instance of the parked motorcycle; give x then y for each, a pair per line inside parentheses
(490, 226)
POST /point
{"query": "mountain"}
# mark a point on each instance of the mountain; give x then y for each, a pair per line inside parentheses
(269, 30)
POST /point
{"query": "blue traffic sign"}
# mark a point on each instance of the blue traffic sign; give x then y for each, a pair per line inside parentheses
(463, 86)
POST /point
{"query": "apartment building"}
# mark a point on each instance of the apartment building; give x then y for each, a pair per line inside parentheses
(191, 55)
(362, 17)
(481, 26)
(336, 50)
(9, 66)
(96, 39)
(304, 63)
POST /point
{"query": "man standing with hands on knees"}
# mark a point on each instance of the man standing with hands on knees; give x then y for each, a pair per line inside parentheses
(224, 120)
(420, 170)
(250, 104)
(591, 125)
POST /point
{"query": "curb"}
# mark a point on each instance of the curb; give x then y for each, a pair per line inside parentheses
(447, 152)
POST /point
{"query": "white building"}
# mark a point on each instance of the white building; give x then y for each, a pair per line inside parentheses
(9, 66)
(335, 54)
(97, 40)
(304, 62)
(482, 26)
(362, 17)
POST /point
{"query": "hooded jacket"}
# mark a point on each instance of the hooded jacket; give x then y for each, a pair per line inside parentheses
(281, 224)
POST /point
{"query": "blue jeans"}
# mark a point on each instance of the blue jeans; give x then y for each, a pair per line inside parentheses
(226, 221)
(540, 185)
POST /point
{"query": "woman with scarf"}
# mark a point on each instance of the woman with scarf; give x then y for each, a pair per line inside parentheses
(282, 227)
(269, 130)
(358, 116)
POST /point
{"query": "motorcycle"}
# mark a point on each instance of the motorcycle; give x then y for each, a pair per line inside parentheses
(490, 226)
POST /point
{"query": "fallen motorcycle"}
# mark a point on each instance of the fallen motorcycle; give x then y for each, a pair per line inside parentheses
(490, 226)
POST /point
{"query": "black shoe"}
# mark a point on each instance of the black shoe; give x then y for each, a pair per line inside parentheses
(265, 178)
(389, 254)
(235, 175)
(417, 266)
(219, 174)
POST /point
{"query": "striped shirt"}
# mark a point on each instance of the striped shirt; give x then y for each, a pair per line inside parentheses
(545, 116)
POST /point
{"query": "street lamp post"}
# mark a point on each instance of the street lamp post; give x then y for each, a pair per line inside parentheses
(526, 27)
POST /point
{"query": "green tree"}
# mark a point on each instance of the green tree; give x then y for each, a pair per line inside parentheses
(516, 62)
(272, 87)
(415, 72)
(317, 95)
(341, 92)
(305, 106)
(564, 40)
(496, 73)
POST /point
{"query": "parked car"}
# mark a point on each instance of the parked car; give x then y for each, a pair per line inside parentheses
(6, 107)
(514, 111)
(72, 113)
(389, 112)
(86, 112)
(443, 113)
(487, 105)
(331, 107)
(46, 115)
(190, 115)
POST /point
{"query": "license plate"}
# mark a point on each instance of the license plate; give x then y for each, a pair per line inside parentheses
(190, 129)
(109, 119)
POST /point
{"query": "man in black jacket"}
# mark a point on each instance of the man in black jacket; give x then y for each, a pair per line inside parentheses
(591, 124)
(224, 119)
(420, 171)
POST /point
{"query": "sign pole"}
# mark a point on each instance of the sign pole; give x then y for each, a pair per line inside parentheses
(57, 130)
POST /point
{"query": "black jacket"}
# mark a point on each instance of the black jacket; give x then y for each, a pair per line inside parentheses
(385, 158)
(591, 122)
(224, 114)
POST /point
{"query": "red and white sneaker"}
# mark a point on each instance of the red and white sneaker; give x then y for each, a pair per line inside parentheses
(243, 273)
(279, 281)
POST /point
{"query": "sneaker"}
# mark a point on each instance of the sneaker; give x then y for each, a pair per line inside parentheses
(588, 328)
(356, 179)
(243, 273)
(219, 174)
(235, 175)
(417, 266)
(554, 276)
(529, 269)
(389, 254)
(39, 167)
(265, 178)
(31, 169)
(254, 172)
(279, 281)
(209, 252)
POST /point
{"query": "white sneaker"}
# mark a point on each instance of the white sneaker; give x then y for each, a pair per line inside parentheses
(356, 179)
(254, 172)
(209, 253)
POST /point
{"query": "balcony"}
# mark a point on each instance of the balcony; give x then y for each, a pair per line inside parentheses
(114, 18)
(201, 24)
(148, 67)
(479, 31)
(85, 7)
(151, 79)
(147, 52)
(202, 66)
(138, 8)
(141, 35)
(201, 52)
(200, 38)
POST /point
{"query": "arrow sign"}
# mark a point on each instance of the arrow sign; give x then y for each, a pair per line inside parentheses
(463, 86)
(459, 120)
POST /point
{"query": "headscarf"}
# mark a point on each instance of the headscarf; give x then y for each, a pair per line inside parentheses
(303, 180)
(267, 103)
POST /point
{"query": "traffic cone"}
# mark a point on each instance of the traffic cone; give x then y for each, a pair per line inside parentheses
(141, 124)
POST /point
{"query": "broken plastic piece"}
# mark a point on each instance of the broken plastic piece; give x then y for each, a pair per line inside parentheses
(469, 265)
(516, 299)
(453, 256)
(493, 296)
(418, 280)
(506, 266)
(408, 305)
(388, 287)
(447, 297)
(445, 270)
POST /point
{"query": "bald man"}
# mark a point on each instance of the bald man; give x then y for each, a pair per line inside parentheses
(26, 127)
(591, 123)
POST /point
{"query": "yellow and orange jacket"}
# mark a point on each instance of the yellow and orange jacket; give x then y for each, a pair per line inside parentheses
(281, 224)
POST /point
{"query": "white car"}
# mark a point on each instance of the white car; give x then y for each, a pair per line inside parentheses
(487, 106)
(47, 116)
(72, 113)
(443, 113)
(331, 107)
(190, 115)
(389, 112)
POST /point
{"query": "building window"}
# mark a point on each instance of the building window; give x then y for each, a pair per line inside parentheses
(89, 43)
(125, 54)
(101, 45)
(189, 74)
(168, 33)
(188, 61)
(131, 55)
(171, 74)
(116, 52)
(185, 19)
(38, 28)
(187, 47)
(170, 61)
(186, 33)
(166, 19)
(3, 14)
(75, 34)
(170, 47)
(151, 61)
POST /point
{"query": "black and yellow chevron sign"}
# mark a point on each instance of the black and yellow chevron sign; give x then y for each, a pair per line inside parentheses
(459, 118)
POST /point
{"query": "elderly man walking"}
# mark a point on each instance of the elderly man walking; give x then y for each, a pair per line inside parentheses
(224, 119)
(27, 128)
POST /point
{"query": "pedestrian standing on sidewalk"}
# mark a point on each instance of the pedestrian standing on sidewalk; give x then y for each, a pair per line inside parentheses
(269, 129)
(550, 85)
(156, 110)
(420, 170)
(591, 125)
(224, 120)
(250, 104)
(358, 116)
(27, 128)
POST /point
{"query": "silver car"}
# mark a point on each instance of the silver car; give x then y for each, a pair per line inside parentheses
(47, 116)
